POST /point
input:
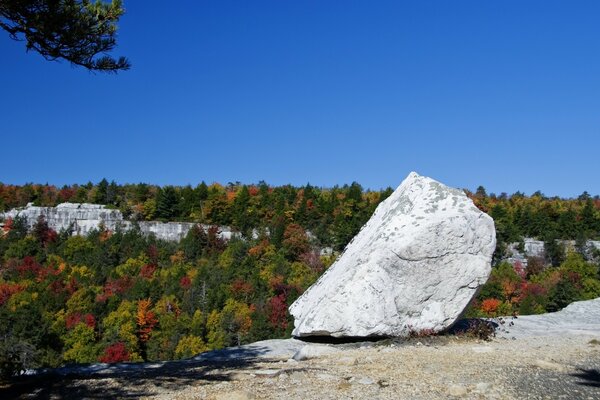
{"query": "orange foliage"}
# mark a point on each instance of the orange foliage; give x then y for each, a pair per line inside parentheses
(7, 290)
(490, 306)
(147, 271)
(146, 320)
(259, 249)
(230, 196)
(510, 291)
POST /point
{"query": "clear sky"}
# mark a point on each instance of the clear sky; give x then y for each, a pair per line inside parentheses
(504, 94)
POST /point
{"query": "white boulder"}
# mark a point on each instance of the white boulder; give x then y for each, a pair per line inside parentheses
(412, 268)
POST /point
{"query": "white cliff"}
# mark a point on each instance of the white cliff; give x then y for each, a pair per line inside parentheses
(82, 218)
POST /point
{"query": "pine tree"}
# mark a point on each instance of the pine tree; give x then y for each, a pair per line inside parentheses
(81, 32)
(167, 203)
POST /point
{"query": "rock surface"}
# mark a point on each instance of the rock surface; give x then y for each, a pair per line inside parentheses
(536, 248)
(413, 267)
(579, 318)
(82, 218)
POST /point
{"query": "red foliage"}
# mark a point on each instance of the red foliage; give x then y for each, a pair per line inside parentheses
(572, 277)
(152, 254)
(519, 269)
(72, 286)
(295, 240)
(72, 319)
(215, 242)
(89, 320)
(277, 312)
(533, 289)
(253, 190)
(147, 271)
(115, 353)
(115, 287)
(66, 193)
(43, 233)
(8, 225)
(50, 270)
(29, 266)
(7, 290)
(57, 287)
(280, 288)
(185, 282)
(75, 318)
(240, 287)
(490, 306)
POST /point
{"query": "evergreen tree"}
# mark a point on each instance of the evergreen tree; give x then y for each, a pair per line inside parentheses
(81, 32)
(101, 196)
(167, 203)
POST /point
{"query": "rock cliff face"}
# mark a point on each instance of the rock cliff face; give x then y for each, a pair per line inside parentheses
(413, 267)
(536, 248)
(83, 218)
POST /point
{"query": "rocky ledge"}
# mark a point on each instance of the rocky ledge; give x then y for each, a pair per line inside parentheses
(82, 218)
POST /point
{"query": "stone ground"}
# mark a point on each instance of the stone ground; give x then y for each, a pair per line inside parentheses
(536, 367)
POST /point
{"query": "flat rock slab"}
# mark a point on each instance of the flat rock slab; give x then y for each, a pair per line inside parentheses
(413, 268)
(579, 318)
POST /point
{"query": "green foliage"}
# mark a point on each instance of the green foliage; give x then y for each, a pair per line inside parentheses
(167, 203)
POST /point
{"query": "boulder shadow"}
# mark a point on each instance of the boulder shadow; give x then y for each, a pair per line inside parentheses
(476, 327)
(130, 380)
(341, 340)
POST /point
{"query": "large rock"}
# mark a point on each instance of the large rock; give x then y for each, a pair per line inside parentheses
(413, 267)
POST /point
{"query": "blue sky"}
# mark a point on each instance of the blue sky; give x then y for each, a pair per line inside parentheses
(501, 94)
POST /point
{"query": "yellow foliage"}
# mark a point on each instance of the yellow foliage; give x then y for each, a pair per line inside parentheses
(58, 325)
(216, 334)
(240, 314)
(190, 346)
(178, 257)
(121, 323)
(226, 258)
(81, 273)
(301, 275)
(132, 266)
(81, 301)
(81, 345)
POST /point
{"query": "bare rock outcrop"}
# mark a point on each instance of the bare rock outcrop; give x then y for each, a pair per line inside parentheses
(412, 268)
